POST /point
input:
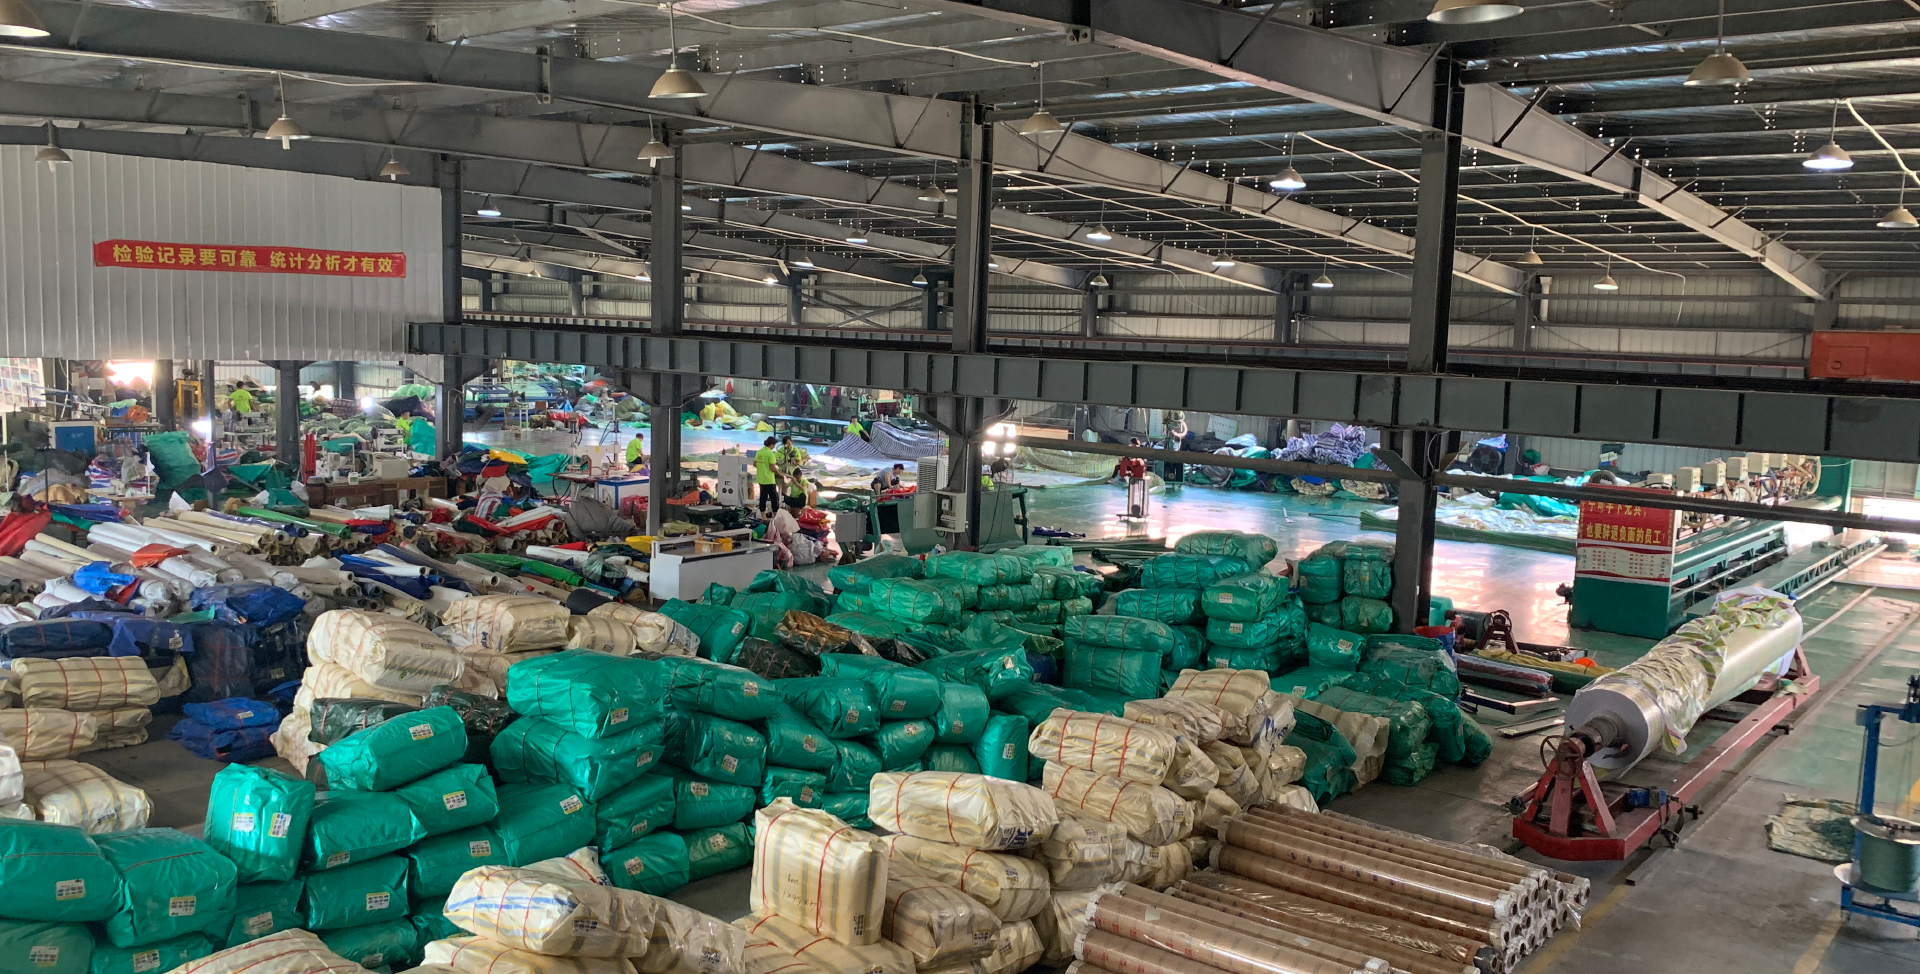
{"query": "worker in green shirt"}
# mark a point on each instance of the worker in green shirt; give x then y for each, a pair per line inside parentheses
(636, 451)
(763, 475)
(241, 399)
(855, 429)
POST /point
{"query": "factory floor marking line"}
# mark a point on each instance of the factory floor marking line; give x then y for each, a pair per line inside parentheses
(1810, 961)
(1557, 947)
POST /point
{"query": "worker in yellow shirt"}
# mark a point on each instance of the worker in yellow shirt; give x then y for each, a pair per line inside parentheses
(242, 400)
(763, 475)
(636, 452)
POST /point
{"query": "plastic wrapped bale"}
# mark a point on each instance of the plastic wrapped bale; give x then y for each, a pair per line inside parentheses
(805, 789)
(1329, 767)
(718, 748)
(655, 864)
(915, 600)
(435, 864)
(838, 707)
(1149, 813)
(1272, 629)
(854, 765)
(354, 826)
(1173, 606)
(1013, 887)
(1263, 658)
(1001, 750)
(484, 717)
(1083, 852)
(702, 804)
(957, 758)
(40, 733)
(864, 624)
(647, 632)
(794, 741)
(1061, 924)
(286, 952)
(1327, 614)
(1367, 569)
(810, 868)
(395, 752)
(1368, 735)
(170, 884)
(1308, 682)
(774, 661)
(825, 953)
(900, 743)
(1068, 583)
(1411, 661)
(1332, 648)
(600, 634)
(859, 575)
(260, 909)
(1244, 598)
(687, 941)
(1247, 695)
(464, 955)
(996, 671)
(71, 793)
(536, 911)
(54, 873)
(713, 851)
(1130, 673)
(539, 750)
(1320, 579)
(1478, 745)
(1120, 632)
(430, 923)
(1254, 549)
(935, 922)
(1023, 595)
(373, 891)
(768, 609)
(1410, 769)
(1408, 724)
(980, 569)
(458, 797)
(902, 692)
(1105, 745)
(973, 810)
(327, 680)
(810, 634)
(1048, 555)
(589, 693)
(257, 817)
(1198, 721)
(542, 822)
(720, 628)
(507, 623)
(986, 632)
(1365, 615)
(963, 713)
(85, 683)
(1190, 649)
(1189, 571)
(385, 650)
(375, 945)
(55, 948)
(1037, 702)
(108, 959)
(635, 810)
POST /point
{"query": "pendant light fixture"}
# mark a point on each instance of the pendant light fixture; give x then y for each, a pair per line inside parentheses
(920, 279)
(52, 154)
(1099, 234)
(1607, 283)
(856, 237)
(802, 260)
(487, 209)
(1041, 122)
(394, 169)
(992, 265)
(1899, 218)
(932, 194)
(1473, 11)
(655, 150)
(1323, 282)
(1720, 67)
(285, 129)
(1221, 262)
(1830, 157)
(19, 20)
(770, 280)
(1532, 257)
(1098, 280)
(675, 82)
(1289, 179)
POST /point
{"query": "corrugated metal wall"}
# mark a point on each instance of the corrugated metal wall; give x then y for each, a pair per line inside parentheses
(1569, 454)
(58, 304)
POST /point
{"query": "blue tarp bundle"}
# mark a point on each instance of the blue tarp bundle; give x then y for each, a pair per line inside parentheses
(99, 578)
(233, 746)
(249, 603)
(234, 713)
(54, 639)
(89, 512)
(415, 585)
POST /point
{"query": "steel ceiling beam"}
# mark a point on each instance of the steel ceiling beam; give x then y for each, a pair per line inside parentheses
(1559, 28)
(296, 11)
(589, 255)
(1392, 85)
(641, 40)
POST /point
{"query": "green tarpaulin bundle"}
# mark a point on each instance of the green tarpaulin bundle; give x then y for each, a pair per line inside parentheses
(1333, 649)
(1254, 549)
(1478, 745)
(1045, 612)
(914, 600)
(699, 803)
(365, 892)
(857, 576)
(1366, 577)
(146, 959)
(718, 748)
(451, 799)
(952, 757)
(902, 692)
(854, 765)
(633, 811)
(485, 717)
(538, 750)
(375, 946)
(849, 807)
(170, 884)
(46, 948)
(1308, 682)
(1067, 583)
(1189, 571)
(963, 713)
(430, 923)
(776, 580)
(541, 822)
(899, 743)
(767, 609)
(839, 707)
(655, 864)
(866, 624)
(1324, 613)
(1329, 769)
(1036, 701)
(718, 594)
(1319, 577)
(1365, 615)
(980, 569)
(257, 817)
(964, 594)
(1049, 555)
(1124, 671)
(1002, 751)
(803, 788)
(1411, 661)
(720, 627)
(388, 755)
(716, 688)
(261, 909)
(862, 603)
(1023, 595)
(1408, 770)
(996, 671)
(990, 630)
(1190, 649)
(1173, 606)
(1407, 722)
(794, 742)
(354, 826)
(1244, 598)
(1286, 625)
(711, 852)
(433, 866)
(1120, 632)
(588, 693)
(1267, 659)
(331, 719)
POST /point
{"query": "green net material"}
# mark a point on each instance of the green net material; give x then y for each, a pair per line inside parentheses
(1068, 583)
(1408, 770)
(1367, 577)
(1285, 626)
(1407, 722)
(1190, 649)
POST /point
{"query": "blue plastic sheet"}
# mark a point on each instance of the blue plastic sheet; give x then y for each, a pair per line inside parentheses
(99, 578)
(249, 603)
(233, 713)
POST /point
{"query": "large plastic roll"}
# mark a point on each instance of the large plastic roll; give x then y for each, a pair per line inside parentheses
(1706, 662)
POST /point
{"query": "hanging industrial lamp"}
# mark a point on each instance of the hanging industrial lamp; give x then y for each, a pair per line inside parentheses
(802, 260)
(19, 20)
(1606, 282)
(1098, 280)
(1288, 180)
(487, 209)
(52, 154)
(285, 129)
(1532, 257)
(1899, 218)
(1720, 67)
(1041, 122)
(1323, 282)
(1473, 11)
(932, 194)
(1830, 157)
(655, 150)
(394, 169)
(856, 237)
(920, 279)
(1099, 234)
(1222, 262)
(675, 82)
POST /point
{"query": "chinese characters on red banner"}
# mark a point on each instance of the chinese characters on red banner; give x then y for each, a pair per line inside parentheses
(153, 255)
(1625, 542)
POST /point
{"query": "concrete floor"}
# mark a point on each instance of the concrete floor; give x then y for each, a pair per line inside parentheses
(1719, 902)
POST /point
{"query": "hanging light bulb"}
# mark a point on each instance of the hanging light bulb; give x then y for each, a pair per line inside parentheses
(1323, 282)
(488, 210)
(856, 237)
(1099, 234)
(53, 156)
(675, 82)
(931, 193)
(770, 280)
(920, 279)
(1899, 218)
(655, 150)
(1720, 67)
(802, 260)
(992, 265)
(1607, 283)
(1098, 280)
(1288, 180)
(1222, 262)
(19, 20)
(642, 277)
(285, 129)
(1473, 11)
(1830, 157)
(1041, 122)
(1532, 257)
(394, 169)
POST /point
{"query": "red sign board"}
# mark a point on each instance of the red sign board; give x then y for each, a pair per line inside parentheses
(246, 259)
(1625, 542)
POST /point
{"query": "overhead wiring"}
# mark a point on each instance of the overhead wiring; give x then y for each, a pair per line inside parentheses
(1869, 126)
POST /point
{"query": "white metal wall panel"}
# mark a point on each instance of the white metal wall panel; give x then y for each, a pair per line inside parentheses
(57, 304)
(1570, 454)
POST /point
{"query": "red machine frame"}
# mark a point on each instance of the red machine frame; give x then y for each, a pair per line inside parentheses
(1617, 831)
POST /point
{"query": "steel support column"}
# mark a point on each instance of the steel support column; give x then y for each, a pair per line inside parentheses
(577, 295)
(796, 297)
(286, 411)
(165, 392)
(965, 416)
(1523, 314)
(345, 384)
(1437, 206)
(1420, 455)
(1285, 329)
(1090, 312)
(207, 396)
(450, 402)
(667, 265)
(666, 394)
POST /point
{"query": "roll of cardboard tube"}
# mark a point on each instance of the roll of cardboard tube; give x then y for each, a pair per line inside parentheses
(1322, 921)
(1516, 873)
(1416, 883)
(1263, 900)
(1209, 944)
(1305, 941)
(1365, 897)
(1362, 849)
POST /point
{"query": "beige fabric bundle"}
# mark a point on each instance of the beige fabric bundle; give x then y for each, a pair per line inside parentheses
(13, 785)
(290, 739)
(1150, 813)
(1297, 796)
(1157, 867)
(1061, 923)
(1105, 744)
(1015, 949)
(687, 941)
(1012, 887)
(40, 733)
(71, 793)
(973, 810)
(478, 955)
(600, 634)
(1083, 852)
(333, 681)
(486, 673)
(935, 922)
(121, 727)
(535, 912)
(818, 872)
(286, 952)
(652, 632)
(1366, 732)
(1246, 695)
(1193, 773)
(1286, 765)
(1236, 778)
(507, 623)
(86, 683)
(384, 650)
(826, 953)
(763, 956)
(1211, 813)
(1191, 717)
(19, 810)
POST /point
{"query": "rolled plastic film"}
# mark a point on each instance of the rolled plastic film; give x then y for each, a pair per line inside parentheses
(1412, 882)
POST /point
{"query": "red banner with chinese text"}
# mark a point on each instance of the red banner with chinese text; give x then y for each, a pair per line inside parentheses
(1626, 542)
(246, 259)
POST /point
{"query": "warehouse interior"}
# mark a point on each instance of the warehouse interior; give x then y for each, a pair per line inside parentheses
(959, 486)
